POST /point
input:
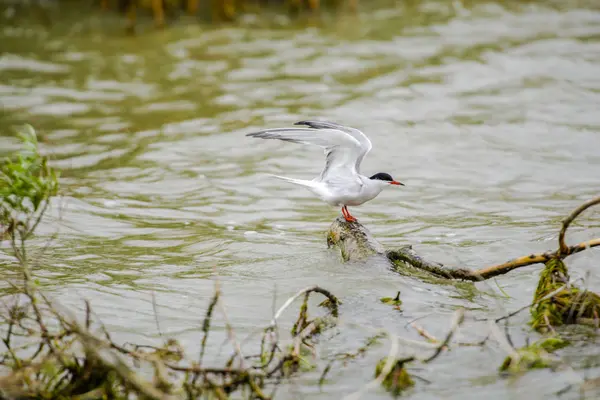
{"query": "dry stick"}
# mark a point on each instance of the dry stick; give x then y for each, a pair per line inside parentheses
(12, 312)
(495, 332)
(501, 269)
(92, 343)
(155, 309)
(271, 329)
(38, 219)
(146, 357)
(206, 322)
(549, 295)
(392, 359)
(88, 314)
(421, 331)
(562, 246)
(231, 335)
(257, 390)
(306, 291)
(30, 293)
(542, 258)
(457, 320)
(562, 252)
(411, 342)
(408, 255)
(390, 362)
(288, 302)
(349, 356)
(209, 370)
(308, 330)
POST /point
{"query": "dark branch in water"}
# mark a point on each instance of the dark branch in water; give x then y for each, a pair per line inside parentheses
(356, 242)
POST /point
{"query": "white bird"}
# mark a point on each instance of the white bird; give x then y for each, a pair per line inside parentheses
(340, 183)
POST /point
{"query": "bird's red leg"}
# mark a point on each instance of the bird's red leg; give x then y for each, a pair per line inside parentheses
(350, 217)
(347, 215)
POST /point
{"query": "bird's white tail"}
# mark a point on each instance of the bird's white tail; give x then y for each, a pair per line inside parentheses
(300, 182)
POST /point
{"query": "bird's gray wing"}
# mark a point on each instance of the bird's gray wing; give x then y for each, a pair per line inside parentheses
(341, 149)
(364, 141)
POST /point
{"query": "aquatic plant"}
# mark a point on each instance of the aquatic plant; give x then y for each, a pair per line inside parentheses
(557, 302)
(536, 355)
(26, 185)
(397, 380)
(392, 301)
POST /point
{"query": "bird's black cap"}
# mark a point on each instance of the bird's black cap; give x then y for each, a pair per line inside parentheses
(382, 176)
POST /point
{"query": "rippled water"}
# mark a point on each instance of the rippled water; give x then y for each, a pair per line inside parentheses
(488, 114)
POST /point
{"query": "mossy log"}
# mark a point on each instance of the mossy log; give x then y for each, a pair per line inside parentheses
(357, 243)
(354, 240)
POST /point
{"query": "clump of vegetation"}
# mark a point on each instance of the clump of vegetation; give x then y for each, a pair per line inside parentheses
(392, 301)
(556, 302)
(26, 185)
(536, 355)
(397, 380)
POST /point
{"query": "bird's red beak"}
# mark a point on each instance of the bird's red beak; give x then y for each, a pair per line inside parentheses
(396, 183)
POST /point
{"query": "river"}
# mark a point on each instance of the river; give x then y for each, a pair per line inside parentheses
(489, 113)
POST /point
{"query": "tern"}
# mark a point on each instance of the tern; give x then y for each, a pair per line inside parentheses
(340, 183)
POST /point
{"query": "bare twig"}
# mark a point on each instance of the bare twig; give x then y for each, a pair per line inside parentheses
(421, 331)
(390, 362)
(502, 341)
(156, 319)
(501, 269)
(232, 336)
(408, 256)
(563, 249)
(392, 359)
(334, 301)
(207, 318)
(549, 295)
(457, 320)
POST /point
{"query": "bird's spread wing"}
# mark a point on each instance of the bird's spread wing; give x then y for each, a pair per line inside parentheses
(364, 141)
(344, 150)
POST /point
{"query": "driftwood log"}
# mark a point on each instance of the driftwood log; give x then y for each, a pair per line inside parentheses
(356, 243)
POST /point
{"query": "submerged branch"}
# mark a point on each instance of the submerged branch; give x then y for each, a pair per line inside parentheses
(356, 243)
(334, 302)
